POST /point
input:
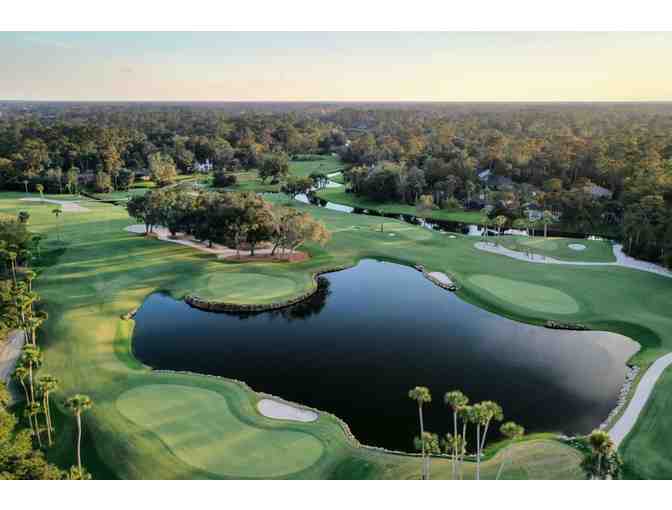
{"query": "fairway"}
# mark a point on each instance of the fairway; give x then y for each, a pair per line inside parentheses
(245, 288)
(560, 248)
(200, 429)
(527, 295)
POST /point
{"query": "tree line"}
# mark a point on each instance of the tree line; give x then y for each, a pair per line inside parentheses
(22, 449)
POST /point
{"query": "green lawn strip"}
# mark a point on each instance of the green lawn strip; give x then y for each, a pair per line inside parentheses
(323, 165)
(105, 272)
(558, 248)
(339, 196)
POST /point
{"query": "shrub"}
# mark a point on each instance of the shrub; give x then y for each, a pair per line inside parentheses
(223, 179)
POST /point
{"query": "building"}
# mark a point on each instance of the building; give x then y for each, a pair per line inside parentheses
(533, 212)
(203, 168)
(597, 191)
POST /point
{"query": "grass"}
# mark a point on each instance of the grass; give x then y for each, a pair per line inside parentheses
(339, 196)
(101, 272)
(250, 181)
(558, 248)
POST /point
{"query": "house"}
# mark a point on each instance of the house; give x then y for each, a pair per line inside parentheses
(495, 181)
(203, 168)
(597, 191)
(533, 212)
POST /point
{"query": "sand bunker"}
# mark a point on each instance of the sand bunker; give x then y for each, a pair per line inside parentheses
(284, 411)
(66, 206)
(576, 247)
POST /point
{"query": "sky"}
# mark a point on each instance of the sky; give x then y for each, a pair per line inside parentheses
(336, 66)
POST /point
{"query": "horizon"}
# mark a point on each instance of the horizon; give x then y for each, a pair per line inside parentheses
(335, 67)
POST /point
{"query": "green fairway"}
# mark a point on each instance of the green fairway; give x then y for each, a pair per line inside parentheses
(339, 196)
(221, 444)
(534, 297)
(100, 272)
(559, 248)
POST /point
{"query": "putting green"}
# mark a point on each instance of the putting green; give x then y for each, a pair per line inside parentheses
(244, 287)
(198, 426)
(527, 295)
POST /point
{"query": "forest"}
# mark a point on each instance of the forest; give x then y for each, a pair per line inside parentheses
(600, 167)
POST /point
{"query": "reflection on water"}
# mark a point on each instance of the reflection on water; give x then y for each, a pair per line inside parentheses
(376, 330)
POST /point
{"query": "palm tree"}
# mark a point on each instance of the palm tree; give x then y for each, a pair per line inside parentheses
(456, 400)
(40, 190)
(466, 414)
(500, 221)
(57, 212)
(430, 445)
(33, 412)
(511, 431)
(454, 446)
(20, 373)
(547, 219)
(23, 216)
(483, 414)
(602, 445)
(77, 405)
(422, 396)
(25, 185)
(47, 384)
(32, 358)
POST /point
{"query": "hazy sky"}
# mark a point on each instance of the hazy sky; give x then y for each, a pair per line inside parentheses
(348, 66)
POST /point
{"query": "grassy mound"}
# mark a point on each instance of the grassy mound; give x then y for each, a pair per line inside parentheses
(528, 295)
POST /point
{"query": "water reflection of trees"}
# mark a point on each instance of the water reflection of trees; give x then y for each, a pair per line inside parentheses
(302, 310)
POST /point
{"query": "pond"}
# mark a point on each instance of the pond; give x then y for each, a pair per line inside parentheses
(374, 331)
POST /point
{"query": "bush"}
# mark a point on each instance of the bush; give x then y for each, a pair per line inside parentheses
(224, 180)
(451, 203)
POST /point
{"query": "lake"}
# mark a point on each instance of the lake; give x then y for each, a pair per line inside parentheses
(374, 331)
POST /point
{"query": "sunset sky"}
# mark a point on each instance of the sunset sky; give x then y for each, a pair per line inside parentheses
(345, 66)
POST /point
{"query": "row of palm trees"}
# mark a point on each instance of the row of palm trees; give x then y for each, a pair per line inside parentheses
(547, 218)
(481, 415)
(20, 314)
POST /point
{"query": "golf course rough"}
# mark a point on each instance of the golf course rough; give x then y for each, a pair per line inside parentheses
(198, 426)
(528, 295)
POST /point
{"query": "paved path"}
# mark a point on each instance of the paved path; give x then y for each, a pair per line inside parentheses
(9, 355)
(624, 424)
(67, 206)
(622, 259)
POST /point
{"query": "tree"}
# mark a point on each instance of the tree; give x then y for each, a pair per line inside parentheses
(604, 462)
(222, 179)
(5, 396)
(72, 181)
(511, 431)
(500, 221)
(47, 384)
(547, 219)
(40, 190)
(23, 217)
(296, 186)
(20, 374)
(58, 211)
(456, 400)
(422, 396)
(78, 404)
(162, 169)
(483, 414)
(292, 228)
(274, 167)
(429, 444)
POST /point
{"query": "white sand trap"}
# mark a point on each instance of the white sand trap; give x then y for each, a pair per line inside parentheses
(66, 206)
(441, 277)
(577, 247)
(283, 411)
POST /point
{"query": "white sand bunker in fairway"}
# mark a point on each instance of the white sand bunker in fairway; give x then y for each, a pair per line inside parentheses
(577, 247)
(66, 206)
(283, 411)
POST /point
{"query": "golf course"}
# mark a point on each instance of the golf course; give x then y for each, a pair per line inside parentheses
(157, 424)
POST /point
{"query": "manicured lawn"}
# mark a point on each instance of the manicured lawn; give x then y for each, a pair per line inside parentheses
(559, 248)
(323, 165)
(339, 196)
(104, 272)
